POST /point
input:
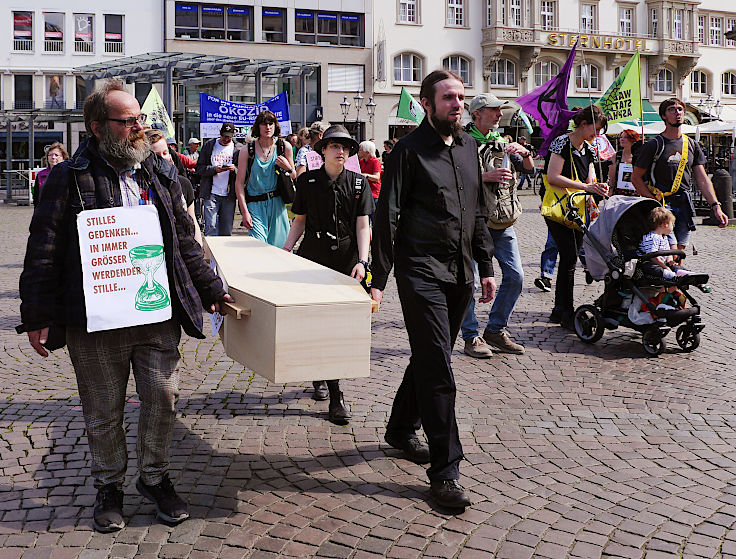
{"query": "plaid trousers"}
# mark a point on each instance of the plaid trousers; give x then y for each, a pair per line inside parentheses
(102, 362)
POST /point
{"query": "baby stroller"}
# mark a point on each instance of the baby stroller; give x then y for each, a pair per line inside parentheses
(612, 255)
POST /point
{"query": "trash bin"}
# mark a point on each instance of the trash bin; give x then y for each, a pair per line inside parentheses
(722, 186)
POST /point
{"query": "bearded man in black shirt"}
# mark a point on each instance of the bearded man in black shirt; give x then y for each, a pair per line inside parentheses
(430, 224)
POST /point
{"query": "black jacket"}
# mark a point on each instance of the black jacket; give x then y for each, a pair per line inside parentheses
(431, 213)
(205, 170)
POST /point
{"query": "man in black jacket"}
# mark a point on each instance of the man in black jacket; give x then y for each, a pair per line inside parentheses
(114, 168)
(433, 181)
(216, 170)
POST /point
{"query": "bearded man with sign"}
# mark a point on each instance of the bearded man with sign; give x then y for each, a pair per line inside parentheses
(114, 168)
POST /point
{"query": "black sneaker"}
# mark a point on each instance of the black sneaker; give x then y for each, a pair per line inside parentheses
(414, 449)
(544, 284)
(449, 493)
(108, 513)
(169, 506)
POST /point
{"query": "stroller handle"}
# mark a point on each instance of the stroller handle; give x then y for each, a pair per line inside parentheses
(657, 254)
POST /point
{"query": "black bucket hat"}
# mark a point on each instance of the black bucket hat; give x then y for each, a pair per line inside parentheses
(337, 133)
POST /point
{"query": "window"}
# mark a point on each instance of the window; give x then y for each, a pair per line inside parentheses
(653, 23)
(213, 22)
(455, 13)
(699, 82)
(23, 89)
(53, 32)
(54, 92)
(186, 21)
(239, 23)
(489, 13)
(545, 71)
(701, 30)
(22, 30)
(407, 68)
(408, 11)
(113, 34)
(586, 77)
(328, 28)
(731, 26)
(460, 65)
(503, 12)
(515, 19)
(664, 81)
(84, 25)
(547, 15)
(274, 25)
(728, 83)
(503, 73)
(716, 31)
(677, 28)
(626, 21)
(587, 18)
(345, 77)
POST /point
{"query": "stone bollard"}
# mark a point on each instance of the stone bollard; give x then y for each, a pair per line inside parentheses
(722, 186)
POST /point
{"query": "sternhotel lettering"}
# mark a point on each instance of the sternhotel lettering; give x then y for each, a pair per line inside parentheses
(602, 42)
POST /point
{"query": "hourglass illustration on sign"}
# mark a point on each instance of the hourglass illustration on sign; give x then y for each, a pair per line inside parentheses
(151, 296)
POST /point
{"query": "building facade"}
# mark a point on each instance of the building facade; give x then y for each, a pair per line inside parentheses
(43, 42)
(335, 34)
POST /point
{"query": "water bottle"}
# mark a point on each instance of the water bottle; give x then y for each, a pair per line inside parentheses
(505, 164)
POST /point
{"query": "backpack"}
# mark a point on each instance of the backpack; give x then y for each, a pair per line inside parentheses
(503, 204)
(657, 154)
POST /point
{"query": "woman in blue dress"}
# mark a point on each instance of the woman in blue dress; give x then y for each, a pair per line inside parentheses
(263, 210)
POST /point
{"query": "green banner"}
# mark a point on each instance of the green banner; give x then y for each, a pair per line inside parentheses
(622, 101)
(156, 110)
(409, 108)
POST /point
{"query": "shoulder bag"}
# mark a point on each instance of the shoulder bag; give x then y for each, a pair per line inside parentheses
(557, 199)
(284, 182)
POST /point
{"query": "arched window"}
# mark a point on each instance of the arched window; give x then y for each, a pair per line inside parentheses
(586, 77)
(407, 68)
(460, 65)
(728, 83)
(503, 73)
(699, 82)
(545, 71)
(664, 81)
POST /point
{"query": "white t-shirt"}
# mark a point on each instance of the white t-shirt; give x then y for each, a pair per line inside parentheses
(221, 155)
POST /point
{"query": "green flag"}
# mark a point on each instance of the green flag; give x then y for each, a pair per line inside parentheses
(156, 111)
(622, 101)
(409, 108)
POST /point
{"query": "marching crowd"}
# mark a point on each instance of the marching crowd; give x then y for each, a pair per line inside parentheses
(442, 202)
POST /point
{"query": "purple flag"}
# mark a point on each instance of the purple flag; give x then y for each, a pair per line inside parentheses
(548, 104)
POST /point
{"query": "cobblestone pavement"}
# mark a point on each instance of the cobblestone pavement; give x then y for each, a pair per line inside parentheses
(571, 450)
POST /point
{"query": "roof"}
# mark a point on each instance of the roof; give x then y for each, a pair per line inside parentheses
(184, 66)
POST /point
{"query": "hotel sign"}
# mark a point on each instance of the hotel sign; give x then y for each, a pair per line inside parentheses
(598, 42)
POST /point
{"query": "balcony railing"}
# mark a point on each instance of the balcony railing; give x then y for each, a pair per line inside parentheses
(22, 104)
(53, 45)
(23, 44)
(83, 46)
(55, 104)
(80, 105)
(114, 47)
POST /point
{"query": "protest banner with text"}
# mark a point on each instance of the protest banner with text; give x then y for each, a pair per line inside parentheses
(213, 111)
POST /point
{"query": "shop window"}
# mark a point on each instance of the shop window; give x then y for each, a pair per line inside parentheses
(274, 25)
(53, 32)
(23, 31)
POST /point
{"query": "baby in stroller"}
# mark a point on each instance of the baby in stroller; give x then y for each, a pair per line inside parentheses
(661, 222)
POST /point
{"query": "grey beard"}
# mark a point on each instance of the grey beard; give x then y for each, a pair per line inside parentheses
(123, 153)
(447, 127)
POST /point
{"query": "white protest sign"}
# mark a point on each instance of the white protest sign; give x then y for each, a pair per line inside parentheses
(624, 177)
(123, 267)
(352, 164)
(314, 160)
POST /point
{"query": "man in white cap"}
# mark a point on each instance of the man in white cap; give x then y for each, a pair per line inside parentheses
(504, 209)
(193, 149)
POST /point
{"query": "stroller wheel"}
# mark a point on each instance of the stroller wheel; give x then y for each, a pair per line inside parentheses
(653, 341)
(588, 323)
(688, 338)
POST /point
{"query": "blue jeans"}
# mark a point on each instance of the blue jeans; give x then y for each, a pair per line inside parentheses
(506, 252)
(549, 258)
(219, 213)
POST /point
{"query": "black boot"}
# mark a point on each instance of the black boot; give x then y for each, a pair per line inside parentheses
(320, 390)
(338, 412)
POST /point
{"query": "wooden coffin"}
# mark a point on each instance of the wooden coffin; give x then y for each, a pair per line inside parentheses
(299, 321)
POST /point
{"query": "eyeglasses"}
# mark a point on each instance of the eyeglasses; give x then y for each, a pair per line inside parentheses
(338, 147)
(130, 122)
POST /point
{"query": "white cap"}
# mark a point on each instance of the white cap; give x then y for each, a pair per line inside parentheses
(194, 140)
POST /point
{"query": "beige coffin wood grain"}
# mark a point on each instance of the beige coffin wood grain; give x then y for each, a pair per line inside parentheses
(306, 322)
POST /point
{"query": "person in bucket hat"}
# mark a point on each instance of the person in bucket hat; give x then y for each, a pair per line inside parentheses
(339, 239)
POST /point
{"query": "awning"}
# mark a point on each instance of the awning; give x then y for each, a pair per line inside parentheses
(649, 113)
(153, 67)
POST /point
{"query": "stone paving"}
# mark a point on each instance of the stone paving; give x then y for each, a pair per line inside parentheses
(571, 450)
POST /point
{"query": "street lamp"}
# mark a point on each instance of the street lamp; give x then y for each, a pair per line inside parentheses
(718, 109)
(345, 108)
(370, 106)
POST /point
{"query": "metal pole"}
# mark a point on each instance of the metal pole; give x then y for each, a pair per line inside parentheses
(303, 100)
(31, 151)
(9, 162)
(168, 91)
(259, 85)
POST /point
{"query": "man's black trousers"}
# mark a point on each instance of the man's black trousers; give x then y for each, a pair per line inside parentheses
(433, 311)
